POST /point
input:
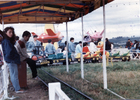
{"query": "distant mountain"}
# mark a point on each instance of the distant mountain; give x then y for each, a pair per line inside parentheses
(121, 41)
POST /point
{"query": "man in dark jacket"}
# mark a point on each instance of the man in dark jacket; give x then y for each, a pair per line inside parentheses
(128, 44)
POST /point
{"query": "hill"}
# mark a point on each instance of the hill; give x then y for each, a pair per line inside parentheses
(121, 41)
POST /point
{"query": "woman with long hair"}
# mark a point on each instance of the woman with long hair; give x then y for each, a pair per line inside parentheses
(107, 45)
(11, 56)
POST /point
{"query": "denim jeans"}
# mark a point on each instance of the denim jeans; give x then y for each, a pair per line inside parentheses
(128, 48)
(13, 68)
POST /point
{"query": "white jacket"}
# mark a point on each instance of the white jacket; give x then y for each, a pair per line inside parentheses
(21, 49)
(92, 47)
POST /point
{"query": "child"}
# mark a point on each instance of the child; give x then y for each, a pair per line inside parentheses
(85, 48)
(65, 52)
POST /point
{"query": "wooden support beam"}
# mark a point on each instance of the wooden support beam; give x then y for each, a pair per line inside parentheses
(49, 1)
(55, 1)
(43, 16)
(30, 0)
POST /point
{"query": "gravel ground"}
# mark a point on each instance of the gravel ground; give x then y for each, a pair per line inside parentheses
(36, 90)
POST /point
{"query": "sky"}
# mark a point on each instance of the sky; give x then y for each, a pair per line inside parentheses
(122, 19)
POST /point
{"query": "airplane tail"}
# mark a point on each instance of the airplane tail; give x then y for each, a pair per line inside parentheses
(33, 33)
(102, 32)
(50, 32)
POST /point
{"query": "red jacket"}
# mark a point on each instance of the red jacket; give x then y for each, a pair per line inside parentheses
(85, 49)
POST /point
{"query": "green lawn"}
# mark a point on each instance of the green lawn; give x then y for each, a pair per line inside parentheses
(123, 78)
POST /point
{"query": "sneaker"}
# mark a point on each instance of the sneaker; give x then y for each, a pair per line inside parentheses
(20, 91)
(36, 78)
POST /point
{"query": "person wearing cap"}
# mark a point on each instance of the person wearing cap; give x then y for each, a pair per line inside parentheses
(32, 44)
(50, 49)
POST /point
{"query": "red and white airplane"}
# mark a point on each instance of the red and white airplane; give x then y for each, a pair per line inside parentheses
(55, 37)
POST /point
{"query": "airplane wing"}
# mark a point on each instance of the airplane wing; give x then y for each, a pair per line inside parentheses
(33, 33)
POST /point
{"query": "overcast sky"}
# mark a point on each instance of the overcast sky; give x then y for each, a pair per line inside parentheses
(122, 19)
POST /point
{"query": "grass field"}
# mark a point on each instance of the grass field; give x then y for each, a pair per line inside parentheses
(123, 78)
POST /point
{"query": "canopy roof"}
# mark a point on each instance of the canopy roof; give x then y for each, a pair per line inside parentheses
(46, 11)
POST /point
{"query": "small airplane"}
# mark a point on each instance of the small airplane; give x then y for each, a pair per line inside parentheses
(95, 36)
(55, 37)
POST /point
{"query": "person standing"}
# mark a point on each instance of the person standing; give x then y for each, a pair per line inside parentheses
(11, 57)
(50, 49)
(71, 48)
(135, 46)
(128, 44)
(32, 44)
(107, 45)
(131, 44)
(21, 48)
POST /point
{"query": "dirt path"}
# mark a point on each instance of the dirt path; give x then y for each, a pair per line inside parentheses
(36, 91)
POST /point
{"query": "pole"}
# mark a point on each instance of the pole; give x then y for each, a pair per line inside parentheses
(82, 65)
(104, 56)
(67, 63)
(5, 71)
(2, 24)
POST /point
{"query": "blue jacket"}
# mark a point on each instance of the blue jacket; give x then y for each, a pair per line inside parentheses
(50, 49)
(10, 53)
(71, 47)
(31, 45)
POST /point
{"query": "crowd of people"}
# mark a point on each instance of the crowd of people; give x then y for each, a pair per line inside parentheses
(14, 52)
(72, 48)
(132, 46)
